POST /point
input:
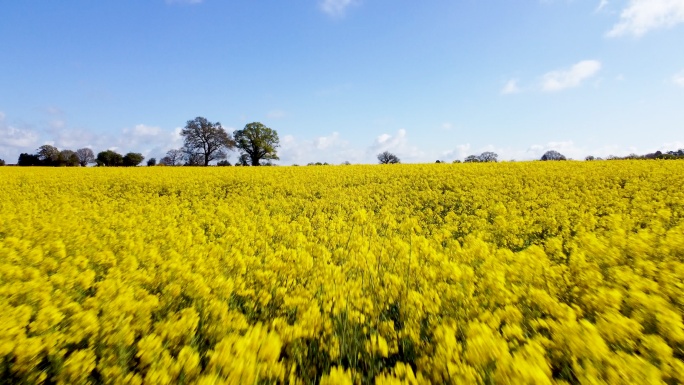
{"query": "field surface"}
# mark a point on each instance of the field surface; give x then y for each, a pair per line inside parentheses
(511, 273)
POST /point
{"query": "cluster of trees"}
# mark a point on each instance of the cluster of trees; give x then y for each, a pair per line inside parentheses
(679, 154)
(387, 157)
(488, 156)
(47, 155)
(111, 158)
(205, 142)
(485, 157)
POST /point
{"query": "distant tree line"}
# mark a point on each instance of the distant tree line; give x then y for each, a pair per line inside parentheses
(551, 155)
(203, 142)
(669, 155)
(50, 156)
(485, 157)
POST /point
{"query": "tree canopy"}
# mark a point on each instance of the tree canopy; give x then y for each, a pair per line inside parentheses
(67, 158)
(109, 158)
(48, 155)
(257, 142)
(132, 159)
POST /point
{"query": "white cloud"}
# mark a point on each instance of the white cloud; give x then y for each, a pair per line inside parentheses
(566, 148)
(325, 149)
(387, 142)
(568, 78)
(678, 78)
(642, 16)
(397, 144)
(460, 152)
(511, 87)
(447, 126)
(324, 142)
(336, 8)
(19, 138)
(15, 140)
(151, 141)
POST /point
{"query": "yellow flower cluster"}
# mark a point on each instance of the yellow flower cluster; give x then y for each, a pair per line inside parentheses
(512, 273)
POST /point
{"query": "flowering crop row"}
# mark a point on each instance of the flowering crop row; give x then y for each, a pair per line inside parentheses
(518, 273)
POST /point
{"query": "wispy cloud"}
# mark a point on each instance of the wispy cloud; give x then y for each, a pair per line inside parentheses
(559, 80)
(336, 8)
(460, 152)
(14, 140)
(511, 87)
(642, 16)
(603, 4)
(678, 78)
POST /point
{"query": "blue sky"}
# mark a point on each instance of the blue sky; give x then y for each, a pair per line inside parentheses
(342, 80)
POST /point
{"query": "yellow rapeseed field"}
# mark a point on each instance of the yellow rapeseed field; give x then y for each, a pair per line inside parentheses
(510, 273)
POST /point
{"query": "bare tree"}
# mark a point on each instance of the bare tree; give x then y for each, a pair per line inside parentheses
(388, 158)
(193, 159)
(173, 158)
(206, 139)
(243, 160)
(489, 157)
(85, 156)
(553, 155)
